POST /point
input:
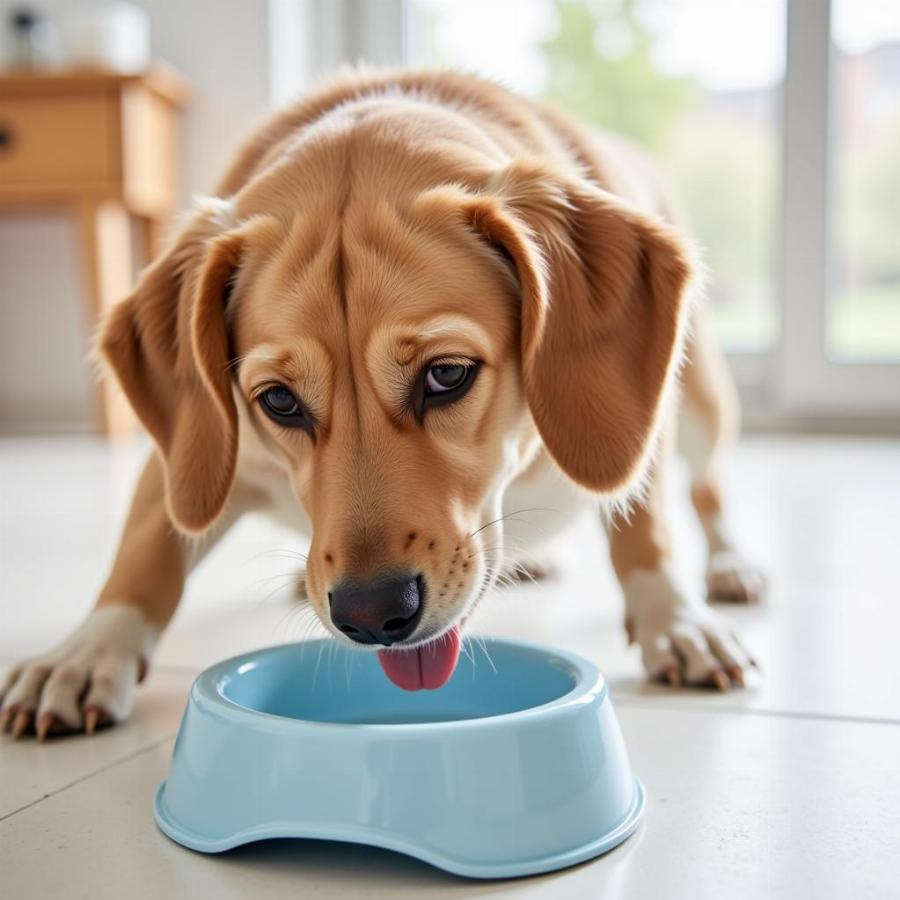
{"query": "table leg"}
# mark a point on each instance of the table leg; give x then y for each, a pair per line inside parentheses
(151, 232)
(105, 229)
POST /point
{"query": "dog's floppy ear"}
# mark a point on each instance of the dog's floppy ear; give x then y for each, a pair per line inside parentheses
(168, 346)
(603, 312)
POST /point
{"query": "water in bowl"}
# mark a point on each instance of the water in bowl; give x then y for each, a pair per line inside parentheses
(345, 686)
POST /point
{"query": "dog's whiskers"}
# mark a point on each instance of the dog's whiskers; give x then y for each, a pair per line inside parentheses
(463, 648)
(499, 548)
(511, 516)
(294, 614)
(287, 578)
(480, 641)
(281, 553)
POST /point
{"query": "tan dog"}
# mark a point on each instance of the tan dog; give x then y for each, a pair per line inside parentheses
(417, 298)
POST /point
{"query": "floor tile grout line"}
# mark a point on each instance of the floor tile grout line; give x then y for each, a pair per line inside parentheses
(89, 775)
(761, 712)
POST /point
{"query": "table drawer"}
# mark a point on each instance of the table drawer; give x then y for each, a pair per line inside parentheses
(57, 141)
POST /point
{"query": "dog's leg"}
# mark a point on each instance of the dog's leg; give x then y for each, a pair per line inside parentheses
(90, 678)
(682, 640)
(708, 427)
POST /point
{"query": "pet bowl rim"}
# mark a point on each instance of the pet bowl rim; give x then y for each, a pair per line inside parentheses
(589, 687)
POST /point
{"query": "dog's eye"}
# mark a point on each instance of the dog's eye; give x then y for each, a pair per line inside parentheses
(441, 383)
(281, 406)
(441, 378)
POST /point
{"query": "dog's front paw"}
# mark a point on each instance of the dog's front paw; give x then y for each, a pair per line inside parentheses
(87, 681)
(682, 642)
(731, 579)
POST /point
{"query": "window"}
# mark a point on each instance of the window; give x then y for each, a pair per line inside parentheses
(696, 81)
(864, 309)
(778, 124)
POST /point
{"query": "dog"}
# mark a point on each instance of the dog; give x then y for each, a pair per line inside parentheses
(416, 301)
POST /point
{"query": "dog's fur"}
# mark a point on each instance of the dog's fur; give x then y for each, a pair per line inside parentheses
(386, 221)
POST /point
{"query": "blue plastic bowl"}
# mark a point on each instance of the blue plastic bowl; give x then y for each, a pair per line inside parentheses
(515, 766)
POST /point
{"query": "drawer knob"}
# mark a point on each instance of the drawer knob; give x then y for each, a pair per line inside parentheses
(6, 137)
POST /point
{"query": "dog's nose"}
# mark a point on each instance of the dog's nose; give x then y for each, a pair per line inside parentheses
(380, 612)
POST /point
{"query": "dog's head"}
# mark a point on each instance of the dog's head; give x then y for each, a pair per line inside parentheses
(403, 355)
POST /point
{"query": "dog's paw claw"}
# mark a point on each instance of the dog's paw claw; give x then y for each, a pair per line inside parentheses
(682, 642)
(672, 676)
(45, 726)
(22, 723)
(96, 717)
(6, 718)
(87, 682)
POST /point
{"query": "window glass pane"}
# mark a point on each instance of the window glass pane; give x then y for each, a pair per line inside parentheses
(864, 308)
(696, 81)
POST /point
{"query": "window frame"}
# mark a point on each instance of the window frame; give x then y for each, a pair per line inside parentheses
(809, 382)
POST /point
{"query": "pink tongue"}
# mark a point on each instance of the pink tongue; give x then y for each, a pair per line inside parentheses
(429, 666)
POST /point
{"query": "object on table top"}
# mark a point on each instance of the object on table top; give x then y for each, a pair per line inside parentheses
(31, 40)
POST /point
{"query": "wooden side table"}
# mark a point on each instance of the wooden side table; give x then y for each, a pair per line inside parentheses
(103, 146)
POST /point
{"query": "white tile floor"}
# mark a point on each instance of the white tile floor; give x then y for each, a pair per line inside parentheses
(790, 789)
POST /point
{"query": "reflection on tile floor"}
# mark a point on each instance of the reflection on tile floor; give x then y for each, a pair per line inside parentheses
(790, 789)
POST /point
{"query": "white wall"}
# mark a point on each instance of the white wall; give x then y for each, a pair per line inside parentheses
(222, 47)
